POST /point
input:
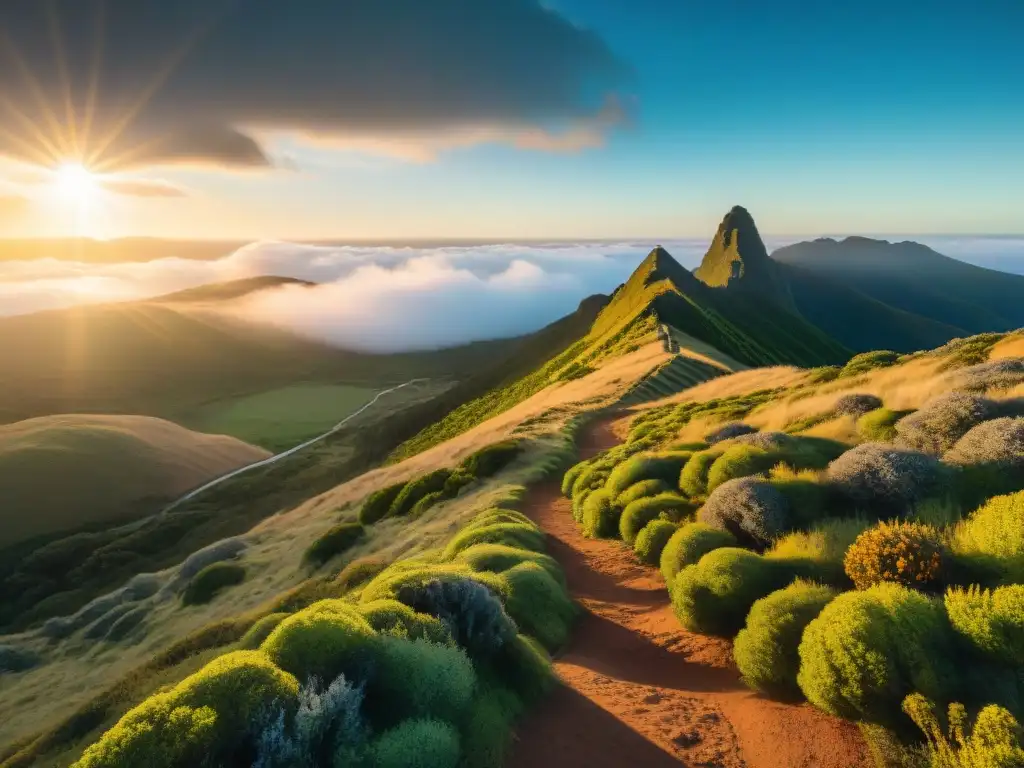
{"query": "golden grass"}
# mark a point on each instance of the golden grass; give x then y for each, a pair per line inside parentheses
(1011, 346)
(77, 669)
(60, 472)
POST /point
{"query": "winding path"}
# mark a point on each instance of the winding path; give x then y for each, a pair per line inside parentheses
(639, 690)
(285, 454)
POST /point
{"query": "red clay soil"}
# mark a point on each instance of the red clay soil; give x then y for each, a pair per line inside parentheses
(638, 689)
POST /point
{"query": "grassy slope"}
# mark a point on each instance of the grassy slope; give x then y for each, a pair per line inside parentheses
(752, 329)
(64, 472)
(916, 279)
(861, 322)
(168, 360)
(93, 561)
(281, 418)
(527, 369)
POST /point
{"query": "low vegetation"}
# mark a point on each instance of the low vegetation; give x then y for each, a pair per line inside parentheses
(879, 575)
(334, 542)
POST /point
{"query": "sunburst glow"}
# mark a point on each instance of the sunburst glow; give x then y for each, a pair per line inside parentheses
(75, 182)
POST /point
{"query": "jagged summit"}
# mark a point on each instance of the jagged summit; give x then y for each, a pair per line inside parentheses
(738, 258)
(662, 265)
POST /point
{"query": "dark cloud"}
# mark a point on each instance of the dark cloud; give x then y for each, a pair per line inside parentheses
(154, 81)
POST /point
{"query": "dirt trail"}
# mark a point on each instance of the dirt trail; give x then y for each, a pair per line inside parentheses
(639, 690)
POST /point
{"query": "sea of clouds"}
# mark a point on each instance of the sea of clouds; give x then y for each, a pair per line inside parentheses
(399, 298)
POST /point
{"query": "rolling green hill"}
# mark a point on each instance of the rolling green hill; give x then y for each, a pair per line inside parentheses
(938, 294)
(69, 472)
(171, 360)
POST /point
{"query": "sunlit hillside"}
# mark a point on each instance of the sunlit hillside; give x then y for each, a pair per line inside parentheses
(74, 472)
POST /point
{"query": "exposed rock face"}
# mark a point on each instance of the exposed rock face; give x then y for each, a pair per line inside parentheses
(738, 258)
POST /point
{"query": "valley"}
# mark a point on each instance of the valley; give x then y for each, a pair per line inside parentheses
(647, 503)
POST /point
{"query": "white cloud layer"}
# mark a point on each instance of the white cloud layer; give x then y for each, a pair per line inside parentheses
(398, 298)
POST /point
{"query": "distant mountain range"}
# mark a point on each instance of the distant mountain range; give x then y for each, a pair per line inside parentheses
(866, 294)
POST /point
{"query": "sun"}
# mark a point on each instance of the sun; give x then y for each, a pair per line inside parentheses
(75, 182)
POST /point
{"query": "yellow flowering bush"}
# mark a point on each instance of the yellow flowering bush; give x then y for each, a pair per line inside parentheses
(906, 553)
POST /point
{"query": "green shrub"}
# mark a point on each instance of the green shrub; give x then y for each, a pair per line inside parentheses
(327, 639)
(487, 730)
(427, 502)
(740, 460)
(641, 490)
(809, 500)
(868, 650)
(259, 631)
(492, 459)
(519, 535)
(205, 585)
(879, 425)
(498, 558)
(525, 667)
(993, 741)
(688, 545)
(601, 515)
(378, 503)
(358, 572)
(418, 679)
(693, 480)
(539, 605)
(990, 620)
(334, 542)
(570, 476)
(647, 466)
(766, 649)
(202, 720)
(869, 361)
(592, 477)
(651, 541)
(910, 554)
(417, 744)
(416, 489)
(668, 506)
(825, 545)
(714, 596)
(390, 617)
(751, 509)
(458, 480)
(997, 530)
(498, 515)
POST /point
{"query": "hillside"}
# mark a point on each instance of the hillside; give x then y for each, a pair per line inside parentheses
(232, 289)
(69, 472)
(170, 360)
(915, 279)
(865, 294)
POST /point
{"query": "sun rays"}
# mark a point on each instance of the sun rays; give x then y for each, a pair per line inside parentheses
(60, 129)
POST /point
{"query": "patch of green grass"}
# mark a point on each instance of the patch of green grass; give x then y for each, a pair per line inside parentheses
(281, 418)
(206, 584)
(334, 542)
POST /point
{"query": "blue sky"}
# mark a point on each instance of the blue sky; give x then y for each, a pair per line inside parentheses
(869, 117)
